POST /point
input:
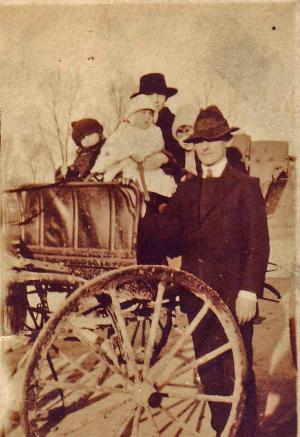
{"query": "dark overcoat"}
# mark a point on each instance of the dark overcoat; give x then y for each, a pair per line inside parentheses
(165, 122)
(221, 227)
(83, 163)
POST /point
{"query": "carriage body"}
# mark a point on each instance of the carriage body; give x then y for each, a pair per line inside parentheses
(78, 234)
(58, 236)
(85, 227)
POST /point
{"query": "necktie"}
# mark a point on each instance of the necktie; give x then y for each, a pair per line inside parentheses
(209, 173)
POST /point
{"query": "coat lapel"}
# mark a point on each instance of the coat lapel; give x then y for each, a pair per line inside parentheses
(215, 192)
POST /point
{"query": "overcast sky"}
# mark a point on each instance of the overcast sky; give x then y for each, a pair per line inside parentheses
(239, 57)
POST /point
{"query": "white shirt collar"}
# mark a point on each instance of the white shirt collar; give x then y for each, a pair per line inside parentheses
(216, 169)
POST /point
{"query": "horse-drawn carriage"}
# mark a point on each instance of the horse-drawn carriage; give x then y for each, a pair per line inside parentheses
(117, 355)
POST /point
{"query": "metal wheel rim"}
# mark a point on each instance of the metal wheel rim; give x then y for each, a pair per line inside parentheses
(149, 273)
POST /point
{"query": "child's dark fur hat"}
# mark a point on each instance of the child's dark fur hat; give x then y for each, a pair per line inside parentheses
(83, 127)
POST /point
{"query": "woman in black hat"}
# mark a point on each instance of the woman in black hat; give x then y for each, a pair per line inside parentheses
(154, 85)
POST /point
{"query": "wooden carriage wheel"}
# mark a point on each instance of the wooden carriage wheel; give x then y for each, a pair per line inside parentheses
(94, 369)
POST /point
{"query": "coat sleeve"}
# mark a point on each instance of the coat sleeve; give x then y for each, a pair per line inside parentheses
(113, 151)
(164, 229)
(255, 232)
(170, 224)
(159, 141)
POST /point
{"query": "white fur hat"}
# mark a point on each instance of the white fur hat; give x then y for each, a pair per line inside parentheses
(185, 115)
(138, 103)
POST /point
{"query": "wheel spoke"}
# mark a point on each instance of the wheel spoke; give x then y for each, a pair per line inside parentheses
(202, 397)
(136, 421)
(144, 323)
(86, 376)
(123, 329)
(152, 421)
(86, 322)
(153, 327)
(180, 422)
(200, 417)
(193, 364)
(73, 364)
(75, 386)
(88, 306)
(189, 406)
(136, 330)
(125, 423)
(162, 365)
(116, 400)
(89, 339)
(101, 353)
(193, 407)
(63, 361)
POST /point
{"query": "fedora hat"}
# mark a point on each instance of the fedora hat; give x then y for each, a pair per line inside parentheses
(210, 125)
(154, 83)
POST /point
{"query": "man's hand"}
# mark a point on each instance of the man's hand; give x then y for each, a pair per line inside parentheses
(245, 308)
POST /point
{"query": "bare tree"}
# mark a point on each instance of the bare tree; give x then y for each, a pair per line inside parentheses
(60, 95)
(47, 146)
(117, 101)
(209, 95)
(33, 156)
(119, 90)
(204, 98)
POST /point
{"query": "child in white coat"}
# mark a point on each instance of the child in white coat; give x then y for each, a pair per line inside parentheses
(136, 150)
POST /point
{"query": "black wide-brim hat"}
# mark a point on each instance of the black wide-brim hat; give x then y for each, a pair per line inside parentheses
(154, 83)
(210, 125)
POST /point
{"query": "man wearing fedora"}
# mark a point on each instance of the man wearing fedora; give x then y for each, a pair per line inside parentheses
(219, 218)
(154, 85)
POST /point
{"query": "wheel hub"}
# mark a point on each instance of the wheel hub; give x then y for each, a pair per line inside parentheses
(141, 392)
(155, 399)
(145, 395)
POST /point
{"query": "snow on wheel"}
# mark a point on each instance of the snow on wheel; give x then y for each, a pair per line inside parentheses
(118, 358)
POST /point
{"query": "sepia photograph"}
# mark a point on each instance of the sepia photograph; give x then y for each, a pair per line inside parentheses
(148, 156)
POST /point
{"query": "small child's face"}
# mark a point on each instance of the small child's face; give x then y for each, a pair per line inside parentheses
(90, 140)
(183, 133)
(142, 119)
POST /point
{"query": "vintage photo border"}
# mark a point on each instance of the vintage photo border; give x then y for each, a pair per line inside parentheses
(296, 130)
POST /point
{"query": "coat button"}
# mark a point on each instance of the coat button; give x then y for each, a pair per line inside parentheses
(200, 260)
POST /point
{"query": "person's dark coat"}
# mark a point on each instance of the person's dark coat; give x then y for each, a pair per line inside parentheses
(165, 122)
(222, 228)
(235, 159)
(83, 163)
(219, 226)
